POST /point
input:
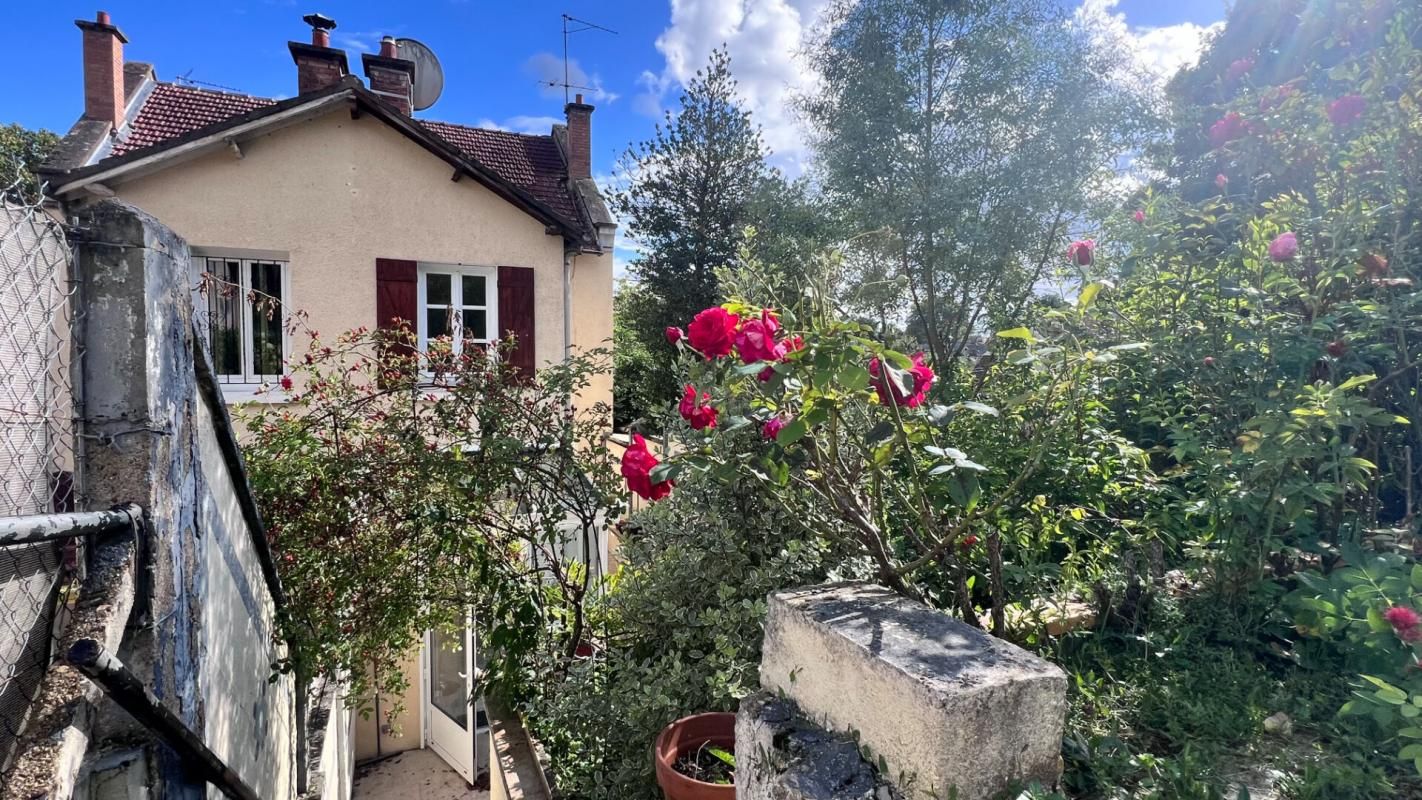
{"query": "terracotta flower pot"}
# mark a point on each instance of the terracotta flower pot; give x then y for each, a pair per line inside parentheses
(687, 735)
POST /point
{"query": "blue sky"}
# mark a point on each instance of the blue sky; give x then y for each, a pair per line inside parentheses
(494, 53)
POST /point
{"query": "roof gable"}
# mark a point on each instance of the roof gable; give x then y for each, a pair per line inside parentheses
(172, 115)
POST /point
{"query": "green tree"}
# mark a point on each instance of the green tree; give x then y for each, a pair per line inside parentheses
(21, 152)
(970, 135)
(689, 204)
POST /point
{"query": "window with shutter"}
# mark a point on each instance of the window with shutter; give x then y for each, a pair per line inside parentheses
(516, 316)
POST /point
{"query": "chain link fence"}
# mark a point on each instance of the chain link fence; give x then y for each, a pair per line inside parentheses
(38, 447)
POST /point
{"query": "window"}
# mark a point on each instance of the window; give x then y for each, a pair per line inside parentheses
(458, 302)
(246, 302)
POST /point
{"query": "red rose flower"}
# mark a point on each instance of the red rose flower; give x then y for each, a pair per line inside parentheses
(756, 339)
(699, 413)
(1228, 128)
(1139, 216)
(286, 382)
(772, 426)
(1079, 252)
(1337, 348)
(674, 335)
(968, 542)
(1347, 109)
(637, 464)
(713, 332)
(1238, 69)
(1401, 617)
(922, 376)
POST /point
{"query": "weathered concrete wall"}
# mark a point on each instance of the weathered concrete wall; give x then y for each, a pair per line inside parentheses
(946, 707)
(781, 755)
(329, 720)
(202, 633)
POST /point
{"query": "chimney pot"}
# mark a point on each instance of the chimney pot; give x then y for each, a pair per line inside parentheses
(318, 65)
(103, 70)
(387, 47)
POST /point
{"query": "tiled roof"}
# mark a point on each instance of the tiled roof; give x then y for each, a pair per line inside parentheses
(173, 110)
(530, 162)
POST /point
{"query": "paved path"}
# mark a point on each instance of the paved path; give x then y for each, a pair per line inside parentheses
(413, 775)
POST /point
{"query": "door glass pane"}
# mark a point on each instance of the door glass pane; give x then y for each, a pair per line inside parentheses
(476, 324)
(474, 291)
(437, 289)
(436, 322)
(266, 319)
(449, 686)
(225, 299)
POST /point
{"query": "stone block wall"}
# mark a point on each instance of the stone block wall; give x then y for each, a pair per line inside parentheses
(940, 707)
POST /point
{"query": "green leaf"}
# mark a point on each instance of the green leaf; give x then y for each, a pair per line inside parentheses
(1129, 346)
(1088, 294)
(664, 472)
(1386, 692)
(1019, 357)
(853, 378)
(973, 405)
(1376, 622)
(1416, 577)
(792, 433)
(1018, 333)
(1355, 381)
(1409, 752)
(881, 432)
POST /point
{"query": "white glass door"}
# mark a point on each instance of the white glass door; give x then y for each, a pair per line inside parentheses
(457, 729)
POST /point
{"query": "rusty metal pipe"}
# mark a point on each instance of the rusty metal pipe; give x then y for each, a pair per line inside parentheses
(104, 669)
(53, 527)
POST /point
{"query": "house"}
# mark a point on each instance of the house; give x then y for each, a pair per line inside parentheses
(346, 202)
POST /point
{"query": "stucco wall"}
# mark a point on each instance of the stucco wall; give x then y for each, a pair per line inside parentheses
(336, 193)
(249, 720)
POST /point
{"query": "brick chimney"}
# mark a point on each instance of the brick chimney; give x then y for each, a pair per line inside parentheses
(391, 77)
(103, 70)
(318, 64)
(579, 138)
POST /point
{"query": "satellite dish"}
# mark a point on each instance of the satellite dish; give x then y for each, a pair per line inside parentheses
(429, 75)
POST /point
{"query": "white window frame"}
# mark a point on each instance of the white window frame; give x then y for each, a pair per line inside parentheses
(246, 381)
(457, 304)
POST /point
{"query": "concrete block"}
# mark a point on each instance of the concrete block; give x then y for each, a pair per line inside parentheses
(946, 709)
(780, 755)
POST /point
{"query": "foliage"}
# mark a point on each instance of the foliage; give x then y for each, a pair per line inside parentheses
(641, 382)
(679, 632)
(691, 189)
(401, 489)
(22, 151)
(964, 193)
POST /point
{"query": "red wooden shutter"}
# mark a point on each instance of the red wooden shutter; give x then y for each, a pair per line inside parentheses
(516, 316)
(396, 299)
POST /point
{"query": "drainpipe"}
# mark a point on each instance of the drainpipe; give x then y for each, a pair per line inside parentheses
(568, 304)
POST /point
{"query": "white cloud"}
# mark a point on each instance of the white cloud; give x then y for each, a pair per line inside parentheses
(364, 41)
(1160, 51)
(764, 38)
(547, 69)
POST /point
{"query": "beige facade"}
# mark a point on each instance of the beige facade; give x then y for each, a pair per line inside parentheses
(334, 193)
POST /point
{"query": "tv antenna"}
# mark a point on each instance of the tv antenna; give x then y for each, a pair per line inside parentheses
(585, 26)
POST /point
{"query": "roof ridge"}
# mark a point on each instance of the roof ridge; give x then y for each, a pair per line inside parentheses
(222, 92)
(484, 129)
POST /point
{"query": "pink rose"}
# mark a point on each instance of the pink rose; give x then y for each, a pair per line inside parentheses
(699, 413)
(756, 339)
(1079, 252)
(1221, 181)
(922, 376)
(713, 332)
(1284, 247)
(1139, 216)
(1347, 109)
(772, 426)
(1229, 127)
(637, 464)
(674, 335)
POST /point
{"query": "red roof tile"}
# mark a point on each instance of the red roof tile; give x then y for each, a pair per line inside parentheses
(173, 110)
(530, 162)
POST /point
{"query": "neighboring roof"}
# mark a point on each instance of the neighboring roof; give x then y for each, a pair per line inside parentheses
(172, 110)
(172, 115)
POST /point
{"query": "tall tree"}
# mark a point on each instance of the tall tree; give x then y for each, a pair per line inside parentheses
(21, 152)
(688, 207)
(967, 134)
